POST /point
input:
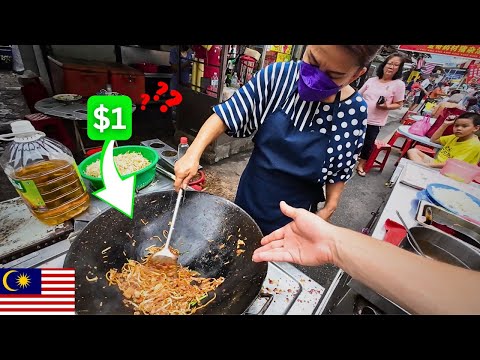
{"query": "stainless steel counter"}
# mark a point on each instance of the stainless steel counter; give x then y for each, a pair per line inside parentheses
(286, 290)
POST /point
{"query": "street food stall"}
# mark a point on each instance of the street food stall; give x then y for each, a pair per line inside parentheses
(214, 67)
(412, 184)
(279, 289)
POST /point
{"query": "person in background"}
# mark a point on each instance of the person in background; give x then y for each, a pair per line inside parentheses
(309, 126)
(419, 94)
(419, 285)
(463, 144)
(446, 87)
(453, 101)
(472, 105)
(434, 96)
(181, 66)
(437, 92)
(382, 93)
(456, 96)
(408, 87)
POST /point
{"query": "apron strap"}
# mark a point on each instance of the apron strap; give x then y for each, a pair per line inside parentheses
(336, 104)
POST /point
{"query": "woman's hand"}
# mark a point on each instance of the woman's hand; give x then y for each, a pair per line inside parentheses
(383, 106)
(307, 240)
(185, 168)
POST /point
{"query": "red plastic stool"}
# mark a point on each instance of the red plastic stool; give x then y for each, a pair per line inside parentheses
(425, 149)
(406, 146)
(52, 127)
(372, 161)
(407, 115)
(393, 139)
(408, 121)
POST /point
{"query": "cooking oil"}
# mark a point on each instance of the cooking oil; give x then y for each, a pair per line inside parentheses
(44, 174)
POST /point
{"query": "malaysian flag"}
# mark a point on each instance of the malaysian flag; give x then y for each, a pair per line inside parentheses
(428, 68)
(37, 291)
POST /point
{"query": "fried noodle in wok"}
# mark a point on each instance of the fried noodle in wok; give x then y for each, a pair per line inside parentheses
(164, 289)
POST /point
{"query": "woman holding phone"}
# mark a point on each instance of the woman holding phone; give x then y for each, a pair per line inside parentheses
(382, 93)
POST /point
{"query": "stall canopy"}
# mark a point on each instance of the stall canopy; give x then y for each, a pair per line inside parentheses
(465, 51)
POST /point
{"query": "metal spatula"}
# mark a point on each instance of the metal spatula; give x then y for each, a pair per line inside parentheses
(165, 256)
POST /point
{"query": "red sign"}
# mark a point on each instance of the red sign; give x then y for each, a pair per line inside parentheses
(466, 51)
(473, 74)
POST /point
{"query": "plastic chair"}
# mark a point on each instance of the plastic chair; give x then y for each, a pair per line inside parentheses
(426, 150)
(372, 161)
(406, 144)
(406, 116)
(52, 126)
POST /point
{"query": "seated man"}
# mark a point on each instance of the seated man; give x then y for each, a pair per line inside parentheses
(463, 144)
(454, 101)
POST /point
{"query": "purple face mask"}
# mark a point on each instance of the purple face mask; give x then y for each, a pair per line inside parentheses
(314, 84)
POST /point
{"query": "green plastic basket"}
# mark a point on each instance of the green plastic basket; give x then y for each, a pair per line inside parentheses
(144, 176)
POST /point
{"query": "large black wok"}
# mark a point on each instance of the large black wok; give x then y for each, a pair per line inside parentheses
(204, 223)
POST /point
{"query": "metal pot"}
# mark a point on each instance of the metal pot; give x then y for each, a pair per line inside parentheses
(205, 222)
(443, 247)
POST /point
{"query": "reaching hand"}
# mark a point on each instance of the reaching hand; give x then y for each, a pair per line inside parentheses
(307, 240)
(185, 168)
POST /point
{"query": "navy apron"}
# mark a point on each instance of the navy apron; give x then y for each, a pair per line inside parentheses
(286, 164)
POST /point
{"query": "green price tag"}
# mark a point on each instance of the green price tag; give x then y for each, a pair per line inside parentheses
(109, 117)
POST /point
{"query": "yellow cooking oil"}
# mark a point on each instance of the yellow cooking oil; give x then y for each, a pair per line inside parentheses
(58, 185)
(44, 173)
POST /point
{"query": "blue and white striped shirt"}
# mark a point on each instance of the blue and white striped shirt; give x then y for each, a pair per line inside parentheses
(274, 87)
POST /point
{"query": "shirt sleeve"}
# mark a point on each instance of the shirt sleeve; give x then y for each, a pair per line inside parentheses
(243, 112)
(399, 92)
(444, 140)
(364, 87)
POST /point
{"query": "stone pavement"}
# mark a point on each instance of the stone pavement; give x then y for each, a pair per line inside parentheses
(12, 105)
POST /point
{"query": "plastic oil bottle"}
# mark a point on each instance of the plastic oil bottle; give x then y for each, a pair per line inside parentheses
(44, 173)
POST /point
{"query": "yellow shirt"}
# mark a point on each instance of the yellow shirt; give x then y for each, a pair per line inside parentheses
(468, 150)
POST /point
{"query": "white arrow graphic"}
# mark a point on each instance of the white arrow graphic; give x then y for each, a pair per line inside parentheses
(118, 193)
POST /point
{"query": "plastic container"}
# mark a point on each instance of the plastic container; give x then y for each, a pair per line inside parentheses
(144, 176)
(182, 147)
(460, 170)
(44, 173)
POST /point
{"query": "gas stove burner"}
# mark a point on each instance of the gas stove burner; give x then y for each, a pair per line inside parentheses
(157, 145)
(167, 154)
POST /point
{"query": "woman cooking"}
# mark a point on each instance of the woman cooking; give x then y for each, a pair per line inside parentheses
(309, 126)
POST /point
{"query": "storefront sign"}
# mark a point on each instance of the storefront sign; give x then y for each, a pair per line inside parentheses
(466, 51)
(277, 53)
(473, 74)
